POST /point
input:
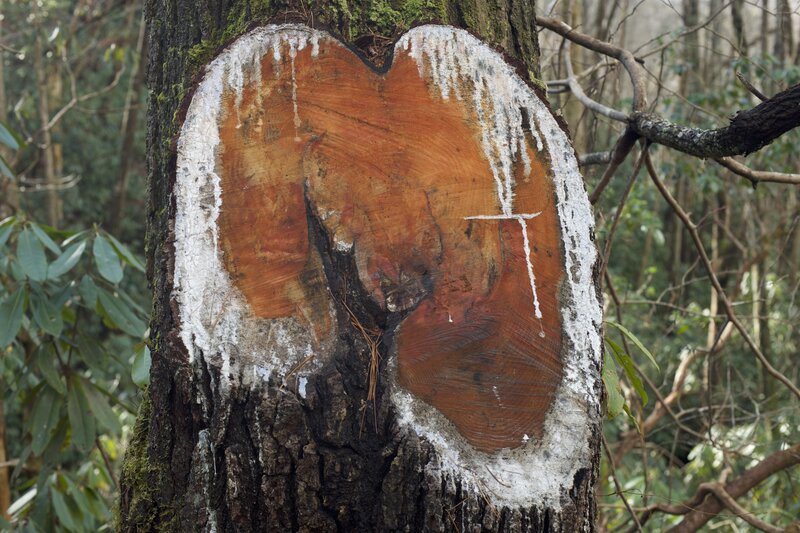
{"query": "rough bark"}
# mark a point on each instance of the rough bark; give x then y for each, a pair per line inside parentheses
(263, 457)
(748, 132)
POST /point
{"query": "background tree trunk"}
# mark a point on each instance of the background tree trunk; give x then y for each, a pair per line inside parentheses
(265, 462)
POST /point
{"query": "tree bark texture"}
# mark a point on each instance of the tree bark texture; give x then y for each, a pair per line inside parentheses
(326, 452)
(748, 131)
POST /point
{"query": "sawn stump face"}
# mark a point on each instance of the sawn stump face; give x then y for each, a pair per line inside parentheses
(402, 176)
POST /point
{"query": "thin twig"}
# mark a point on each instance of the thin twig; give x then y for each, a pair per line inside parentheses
(750, 87)
(612, 468)
(577, 91)
(618, 155)
(756, 176)
(107, 461)
(628, 60)
(618, 214)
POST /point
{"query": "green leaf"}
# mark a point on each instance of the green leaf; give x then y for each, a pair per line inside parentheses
(44, 418)
(40, 513)
(88, 291)
(67, 260)
(8, 138)
(140, 371)
(63, 512)
(99, 406)
(46, 314)
(635, 340)
(614, 399)
(54, 452)
(17, 273)
(72, 237)
(60, 296)
(126, 254)
(47, 361)
(80, 499)
(30, 255)
(91, 352)
(45, 239)
(11, 311)
(5, 170)
(5, 233)
(624, 360)
(135, 308)
(80, 418)
(120, 314)
(106, 260)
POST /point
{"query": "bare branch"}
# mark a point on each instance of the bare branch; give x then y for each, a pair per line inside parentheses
(748, 131)
(618, 154)
(710, 507)
(701, 508)
(617, 484)
(718, 490)
(620, 207)
(756, 176)
(750, 87)
(628, 60)
(577, 91)
(594, 158)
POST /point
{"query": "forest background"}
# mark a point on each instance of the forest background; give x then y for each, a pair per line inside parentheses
(689, 406)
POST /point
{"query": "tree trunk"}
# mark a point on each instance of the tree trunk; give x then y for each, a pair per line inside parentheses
(49, 156)
(304, 418)
(130, 117)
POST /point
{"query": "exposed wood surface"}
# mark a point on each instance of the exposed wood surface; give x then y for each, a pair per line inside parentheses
(246, 447)
(394, 174)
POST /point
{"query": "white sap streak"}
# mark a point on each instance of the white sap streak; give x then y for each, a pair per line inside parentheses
(211, 311)
(315, 45)
(292, 55)
(502, 137)
(526, 246)
(524, 216)
(540, 472)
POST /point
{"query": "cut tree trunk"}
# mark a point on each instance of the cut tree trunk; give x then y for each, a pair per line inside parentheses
(375, 307)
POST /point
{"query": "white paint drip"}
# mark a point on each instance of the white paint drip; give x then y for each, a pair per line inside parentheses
(526, 246)
(512, 216)
(292, 55)
(301, 386)
(540, 472)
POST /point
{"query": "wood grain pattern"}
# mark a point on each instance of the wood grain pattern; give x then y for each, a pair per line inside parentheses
(397, 175)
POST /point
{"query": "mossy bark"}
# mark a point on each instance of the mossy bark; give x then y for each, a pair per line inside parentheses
(259, 460)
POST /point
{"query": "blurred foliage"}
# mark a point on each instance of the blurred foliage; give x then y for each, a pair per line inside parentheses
(70, 334)
(730, 414)
(74, 303)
